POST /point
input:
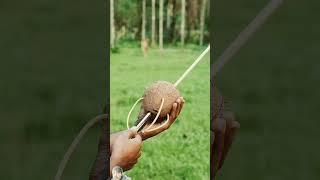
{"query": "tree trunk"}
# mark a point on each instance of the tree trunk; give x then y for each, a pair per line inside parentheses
(183, 16)
(202, 18)
(143, 28)
(161, 24)
(112, 35)
(169, 14)
(192, 11)
(173, 22)
(153, 28)
(208, 9)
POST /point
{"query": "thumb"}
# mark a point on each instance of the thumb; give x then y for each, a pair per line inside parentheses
(137, 139)
(132, 132)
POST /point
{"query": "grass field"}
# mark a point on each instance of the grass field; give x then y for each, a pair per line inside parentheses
(182, 152)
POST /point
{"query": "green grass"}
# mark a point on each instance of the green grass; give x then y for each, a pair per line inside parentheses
(182, 152)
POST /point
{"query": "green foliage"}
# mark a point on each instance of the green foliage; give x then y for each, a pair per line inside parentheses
(182, 152)
(126, 13)
(194, 36)
(115, 49)
(125, 43)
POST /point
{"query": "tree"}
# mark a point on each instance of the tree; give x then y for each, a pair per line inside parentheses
(153, 28)
(143, 28)
(171, 30)
(192, 11)
(183, 16)
(161, 24)
(112, 36)
(192, 18)
(169, 14)
(202, 18)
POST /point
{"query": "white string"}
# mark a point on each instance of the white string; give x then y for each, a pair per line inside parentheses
(175, 85)
(168, 118)
(192, 66)
(159, 110)
(129, 114)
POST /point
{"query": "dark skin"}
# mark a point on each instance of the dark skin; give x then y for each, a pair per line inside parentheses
(125, 146)
(223, 131)
(123, 149)
(126, 149)
(175, 111)
(124, 153)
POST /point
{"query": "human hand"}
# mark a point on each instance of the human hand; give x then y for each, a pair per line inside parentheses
(114, 137)
(126, 149)
(223, 131)
(223, 134)
(161, 124)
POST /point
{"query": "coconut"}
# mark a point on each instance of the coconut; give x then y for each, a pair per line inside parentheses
(153, 96)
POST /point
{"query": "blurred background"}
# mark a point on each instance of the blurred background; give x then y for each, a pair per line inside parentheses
(273, 83)
(53, 74)
(183, 151)
(53, 80)
(162, 22)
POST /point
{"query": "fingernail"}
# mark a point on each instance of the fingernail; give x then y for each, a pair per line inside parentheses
(175, 105)
(134, 128)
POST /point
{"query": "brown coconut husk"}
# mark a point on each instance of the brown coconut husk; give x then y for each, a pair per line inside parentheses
(153, 96)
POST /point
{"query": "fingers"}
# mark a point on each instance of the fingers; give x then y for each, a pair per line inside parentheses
(231, 130)
(229, 138)
(150, 133)
(134, 160)
(178, 101)
(224, 131)
(173, 112)
(181, 104)
(137, 139)
(127, 149)
(138, 155)
(134, 128)
(219, 128)
(131, 133)
(176, 108)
